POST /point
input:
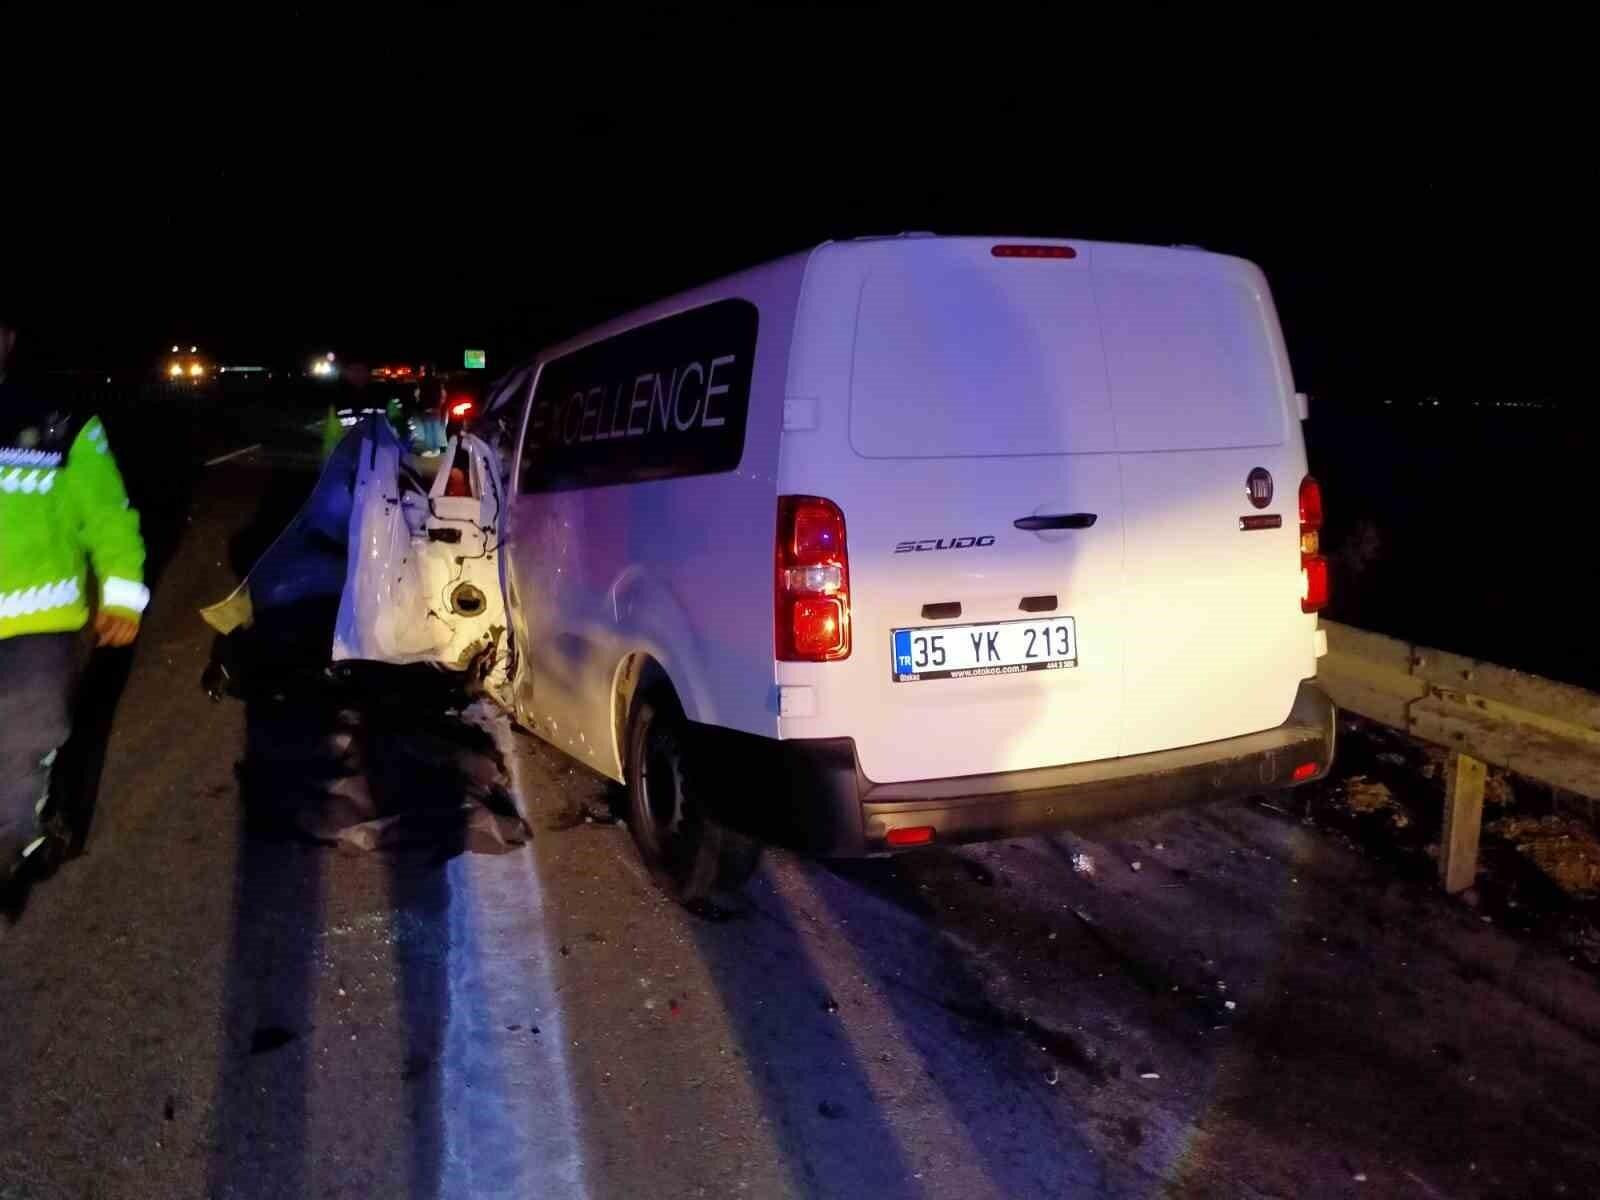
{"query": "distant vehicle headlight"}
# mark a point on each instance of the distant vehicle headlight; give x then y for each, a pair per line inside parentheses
(196, 370)
(175, 370)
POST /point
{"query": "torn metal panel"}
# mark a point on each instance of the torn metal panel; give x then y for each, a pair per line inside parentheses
(415, 569)
(422, 580)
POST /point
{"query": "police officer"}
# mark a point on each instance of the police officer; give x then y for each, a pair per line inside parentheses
(63, 509)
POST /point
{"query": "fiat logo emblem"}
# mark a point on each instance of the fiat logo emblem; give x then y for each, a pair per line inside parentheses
(1258, 486)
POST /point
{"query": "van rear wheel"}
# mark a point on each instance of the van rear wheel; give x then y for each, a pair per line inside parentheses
(690, 854)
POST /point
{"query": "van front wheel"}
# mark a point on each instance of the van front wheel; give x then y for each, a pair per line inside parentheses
(690, 854)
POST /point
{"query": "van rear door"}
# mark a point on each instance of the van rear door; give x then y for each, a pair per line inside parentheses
(1215, 641)
(940, 396)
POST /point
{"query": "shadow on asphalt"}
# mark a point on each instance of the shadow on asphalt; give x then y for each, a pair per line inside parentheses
(798, 963)
(365, 758)
(816, 1091)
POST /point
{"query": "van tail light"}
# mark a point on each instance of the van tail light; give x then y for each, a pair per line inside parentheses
(1033, 251)
(812, 610)
(1313, 566)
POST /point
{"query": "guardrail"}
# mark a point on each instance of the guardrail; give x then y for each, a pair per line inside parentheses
(1534, 727)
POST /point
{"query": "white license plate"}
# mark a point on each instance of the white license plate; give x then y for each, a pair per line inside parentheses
(970, 651)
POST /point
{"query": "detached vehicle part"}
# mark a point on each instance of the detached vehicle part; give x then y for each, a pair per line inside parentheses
(422, 579)
(415, 565)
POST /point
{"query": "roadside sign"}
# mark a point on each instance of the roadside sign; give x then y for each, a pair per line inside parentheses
(473, 360)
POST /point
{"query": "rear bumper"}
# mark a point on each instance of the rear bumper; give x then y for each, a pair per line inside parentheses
(826, 805)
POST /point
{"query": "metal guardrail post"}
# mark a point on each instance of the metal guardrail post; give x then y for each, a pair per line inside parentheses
(1463, 822)
(1485, 714)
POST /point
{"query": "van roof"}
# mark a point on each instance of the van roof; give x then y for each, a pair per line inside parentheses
(790, 268)
(759, 278)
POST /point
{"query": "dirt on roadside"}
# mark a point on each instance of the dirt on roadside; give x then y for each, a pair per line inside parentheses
(1539, 866)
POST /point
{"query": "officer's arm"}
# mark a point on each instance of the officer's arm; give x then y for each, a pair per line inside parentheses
(107, 527)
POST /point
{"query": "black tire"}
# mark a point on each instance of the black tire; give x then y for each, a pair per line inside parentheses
(690, 854)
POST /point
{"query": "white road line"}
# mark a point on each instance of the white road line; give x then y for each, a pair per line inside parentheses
(222, 458)
(510, 1119)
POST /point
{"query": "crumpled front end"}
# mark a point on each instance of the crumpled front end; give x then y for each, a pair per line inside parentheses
(422, 579)
(415, 564)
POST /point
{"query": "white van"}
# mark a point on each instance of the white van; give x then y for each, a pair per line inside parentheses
(919, 540)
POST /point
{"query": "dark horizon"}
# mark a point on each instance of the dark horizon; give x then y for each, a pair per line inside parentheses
(397, 203)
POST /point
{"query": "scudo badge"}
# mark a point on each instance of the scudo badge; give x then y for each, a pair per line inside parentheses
(1258, 486)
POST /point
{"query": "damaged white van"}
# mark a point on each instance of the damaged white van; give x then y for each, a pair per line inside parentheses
(919, 540)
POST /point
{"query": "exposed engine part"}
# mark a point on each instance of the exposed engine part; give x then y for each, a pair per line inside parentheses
(466, 600)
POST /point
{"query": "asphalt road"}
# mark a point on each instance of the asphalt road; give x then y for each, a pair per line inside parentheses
(1228, 1005)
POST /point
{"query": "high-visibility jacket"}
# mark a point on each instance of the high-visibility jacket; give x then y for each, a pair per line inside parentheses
(62, 508)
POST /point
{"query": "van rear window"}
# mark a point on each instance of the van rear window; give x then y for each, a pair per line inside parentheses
(662, 400)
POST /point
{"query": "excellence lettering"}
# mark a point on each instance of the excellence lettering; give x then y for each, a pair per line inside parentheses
(651, 403)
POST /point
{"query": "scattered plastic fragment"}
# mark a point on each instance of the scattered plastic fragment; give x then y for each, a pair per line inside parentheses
(1082, 863)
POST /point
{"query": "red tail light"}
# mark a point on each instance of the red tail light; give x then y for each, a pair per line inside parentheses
(1033, 251)
(910, 835)
(461, 408)
(812, 611)
(1313, 566)
(1310, 505)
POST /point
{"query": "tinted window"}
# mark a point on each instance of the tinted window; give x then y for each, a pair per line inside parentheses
(666, 399)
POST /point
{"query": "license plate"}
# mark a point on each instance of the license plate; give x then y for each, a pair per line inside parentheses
(971, 651)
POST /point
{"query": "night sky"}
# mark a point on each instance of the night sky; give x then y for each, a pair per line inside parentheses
(407, 189)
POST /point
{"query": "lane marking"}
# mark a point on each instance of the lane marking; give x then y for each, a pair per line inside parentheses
(510, 1118)
(222, 458)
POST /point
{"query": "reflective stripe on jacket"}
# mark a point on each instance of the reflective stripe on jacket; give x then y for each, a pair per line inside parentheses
(63, 508)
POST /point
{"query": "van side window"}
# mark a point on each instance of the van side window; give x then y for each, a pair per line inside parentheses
(666, 399)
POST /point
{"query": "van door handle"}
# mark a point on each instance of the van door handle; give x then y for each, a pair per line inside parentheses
(1056, 521)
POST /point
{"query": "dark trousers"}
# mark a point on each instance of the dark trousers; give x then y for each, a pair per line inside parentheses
(37, 672)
